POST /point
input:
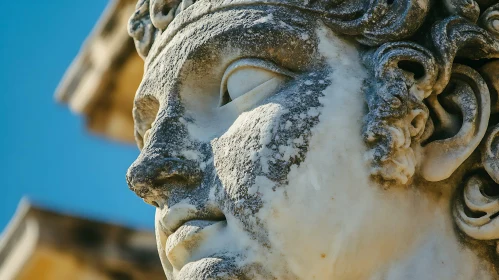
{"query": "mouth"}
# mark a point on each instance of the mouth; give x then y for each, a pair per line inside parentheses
(186, 232)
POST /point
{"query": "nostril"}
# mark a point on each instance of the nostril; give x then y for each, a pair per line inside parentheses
(150, 200)
(172, 180)
(153, 178)
(173, 172)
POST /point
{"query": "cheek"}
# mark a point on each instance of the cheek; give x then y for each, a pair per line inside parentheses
(253, 158)
(237, 153)
(256, 153)
(328, 194)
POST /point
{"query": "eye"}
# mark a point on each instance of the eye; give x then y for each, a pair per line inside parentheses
(252, 78)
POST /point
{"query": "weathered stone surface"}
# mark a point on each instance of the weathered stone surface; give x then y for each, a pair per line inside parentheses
(329, 139)
(101, 82)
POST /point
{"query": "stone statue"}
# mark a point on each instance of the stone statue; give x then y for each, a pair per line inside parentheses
(320, 139)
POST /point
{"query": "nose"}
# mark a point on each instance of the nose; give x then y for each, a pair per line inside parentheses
(153, 176)
(157, 171)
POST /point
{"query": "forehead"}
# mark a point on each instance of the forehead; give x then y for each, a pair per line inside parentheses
(278, 34)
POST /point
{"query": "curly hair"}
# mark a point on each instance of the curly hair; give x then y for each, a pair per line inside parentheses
(398, 102)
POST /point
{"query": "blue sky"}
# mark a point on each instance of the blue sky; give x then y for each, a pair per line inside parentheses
(46, 153)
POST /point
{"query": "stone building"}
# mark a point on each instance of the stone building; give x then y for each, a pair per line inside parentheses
(42, 244)
(100, 84)
(45, 245)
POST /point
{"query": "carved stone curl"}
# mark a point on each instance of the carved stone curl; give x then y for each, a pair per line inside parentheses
(476, 211)
(141, 28)
(490, 20)
(490, 154)
(397, 114)
(466, 8)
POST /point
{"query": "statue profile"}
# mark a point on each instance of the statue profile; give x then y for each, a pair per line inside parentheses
(320, 139)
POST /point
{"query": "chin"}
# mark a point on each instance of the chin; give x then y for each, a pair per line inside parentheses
(220, 266)
(215, 253)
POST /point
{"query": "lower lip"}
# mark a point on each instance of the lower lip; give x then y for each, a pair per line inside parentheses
(183, 244)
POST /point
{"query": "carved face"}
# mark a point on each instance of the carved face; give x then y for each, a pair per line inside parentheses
(250, 125)
(225, 121)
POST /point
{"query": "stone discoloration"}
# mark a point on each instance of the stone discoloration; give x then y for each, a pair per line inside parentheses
(429, 112)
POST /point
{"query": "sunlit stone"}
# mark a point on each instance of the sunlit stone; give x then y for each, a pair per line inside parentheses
(303, 145)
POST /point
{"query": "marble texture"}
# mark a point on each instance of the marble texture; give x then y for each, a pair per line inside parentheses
(288, 139)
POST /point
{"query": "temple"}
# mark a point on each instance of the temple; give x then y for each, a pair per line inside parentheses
(43, 244)
(100, 84)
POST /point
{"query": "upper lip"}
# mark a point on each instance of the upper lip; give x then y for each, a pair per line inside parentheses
(176, 216)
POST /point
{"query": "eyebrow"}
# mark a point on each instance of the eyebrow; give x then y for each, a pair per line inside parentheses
(164, 42)
(190, 44)
(196, 12)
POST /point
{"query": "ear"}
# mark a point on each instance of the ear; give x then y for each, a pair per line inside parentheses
(460, 116)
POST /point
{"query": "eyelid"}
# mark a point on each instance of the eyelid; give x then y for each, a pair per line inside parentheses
(251, 62)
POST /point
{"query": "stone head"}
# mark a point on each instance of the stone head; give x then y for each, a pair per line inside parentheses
(325, 139)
